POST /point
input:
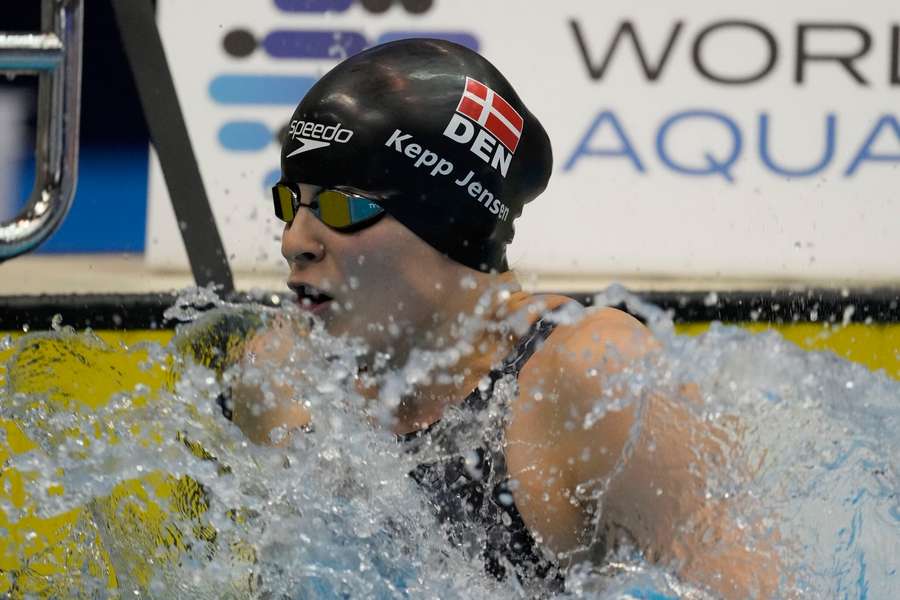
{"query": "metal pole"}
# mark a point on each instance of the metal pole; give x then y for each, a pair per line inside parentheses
(30, 52)
(55, 56)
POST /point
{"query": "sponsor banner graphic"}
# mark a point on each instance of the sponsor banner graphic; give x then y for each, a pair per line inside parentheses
(690, 139)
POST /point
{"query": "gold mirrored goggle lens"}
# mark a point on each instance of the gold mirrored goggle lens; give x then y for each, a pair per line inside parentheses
(334, 209)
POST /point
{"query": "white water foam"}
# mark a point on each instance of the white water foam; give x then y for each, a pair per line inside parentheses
(334, 513)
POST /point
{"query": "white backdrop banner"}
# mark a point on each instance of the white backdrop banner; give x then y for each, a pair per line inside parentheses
(690, 138)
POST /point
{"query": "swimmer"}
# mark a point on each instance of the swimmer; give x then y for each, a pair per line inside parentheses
(403, 171)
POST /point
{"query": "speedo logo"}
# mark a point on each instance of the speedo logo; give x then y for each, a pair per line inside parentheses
(313, 136)
(499, 125)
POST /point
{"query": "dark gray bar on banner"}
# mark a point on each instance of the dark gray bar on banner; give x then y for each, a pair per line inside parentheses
(146, 55)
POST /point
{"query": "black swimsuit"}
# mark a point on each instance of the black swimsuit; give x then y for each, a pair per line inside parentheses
(463, 461)
(466, 478)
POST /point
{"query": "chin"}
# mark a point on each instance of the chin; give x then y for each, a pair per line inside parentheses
(343, 325)
(373, 330)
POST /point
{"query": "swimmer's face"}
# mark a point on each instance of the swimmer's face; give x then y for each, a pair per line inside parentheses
(383, 280)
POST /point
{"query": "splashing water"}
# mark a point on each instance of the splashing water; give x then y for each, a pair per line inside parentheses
(171, 499)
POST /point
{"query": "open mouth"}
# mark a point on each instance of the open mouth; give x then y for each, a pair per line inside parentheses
(310, 298)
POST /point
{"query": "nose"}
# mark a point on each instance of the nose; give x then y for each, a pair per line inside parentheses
(301, 242)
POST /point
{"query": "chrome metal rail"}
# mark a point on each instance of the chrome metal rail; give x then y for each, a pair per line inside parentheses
(55, 56)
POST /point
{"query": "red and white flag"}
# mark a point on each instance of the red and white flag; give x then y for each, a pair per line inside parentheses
(488, 108)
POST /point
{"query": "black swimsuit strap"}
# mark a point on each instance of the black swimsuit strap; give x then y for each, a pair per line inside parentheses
(527, 345)
(478, 497)
(531, 342)
(514, 362)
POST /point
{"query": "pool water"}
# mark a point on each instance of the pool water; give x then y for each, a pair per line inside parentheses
(121, 477)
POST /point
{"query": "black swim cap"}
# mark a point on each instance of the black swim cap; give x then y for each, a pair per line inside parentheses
(435, 134)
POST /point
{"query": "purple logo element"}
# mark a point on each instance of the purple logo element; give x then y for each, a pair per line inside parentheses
(459, 37)
(314, 44)
(313, 6)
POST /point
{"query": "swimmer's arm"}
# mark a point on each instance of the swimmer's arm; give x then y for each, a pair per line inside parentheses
(658, 494)
(259, 407)
(550, 453)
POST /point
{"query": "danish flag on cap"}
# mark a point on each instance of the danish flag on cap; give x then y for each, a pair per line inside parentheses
(488, 108)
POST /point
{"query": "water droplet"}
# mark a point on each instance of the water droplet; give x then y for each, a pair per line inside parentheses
(468, 283)
(848, 315)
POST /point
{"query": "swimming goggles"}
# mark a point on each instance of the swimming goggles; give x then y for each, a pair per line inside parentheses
(339, 210)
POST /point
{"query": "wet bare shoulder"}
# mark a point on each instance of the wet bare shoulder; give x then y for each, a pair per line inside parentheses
(549, 451)
(605, 335)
